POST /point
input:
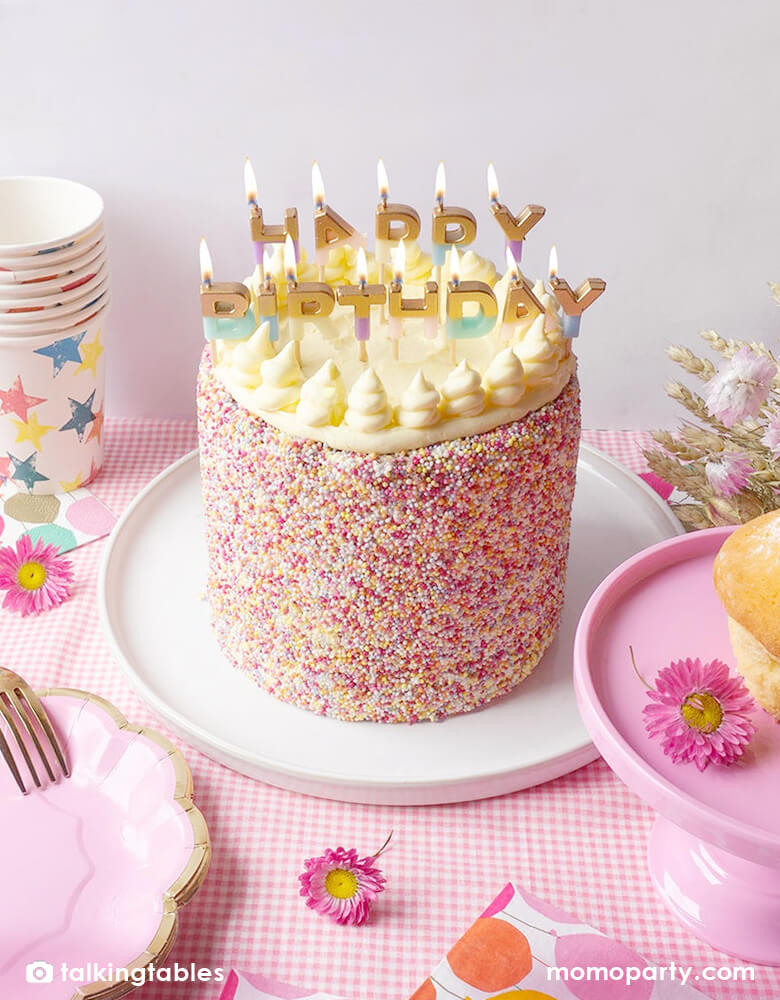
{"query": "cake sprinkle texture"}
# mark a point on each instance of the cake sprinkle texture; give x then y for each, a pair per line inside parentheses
(394, 587)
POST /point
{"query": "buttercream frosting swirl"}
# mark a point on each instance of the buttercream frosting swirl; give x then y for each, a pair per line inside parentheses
(472, 268)
(504, 379)
(538, 355)
(247, 356)
(462, 392)
(367, 405)
(323, 397)
(281, 375)
(419, 404)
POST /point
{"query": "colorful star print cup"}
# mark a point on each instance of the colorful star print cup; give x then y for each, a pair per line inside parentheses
(52, 395)
(54, 301)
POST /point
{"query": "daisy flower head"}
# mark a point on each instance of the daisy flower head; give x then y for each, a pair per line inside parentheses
(700, 713)
(741, 387)
(340, 885)
(728, 474)
(35, 577)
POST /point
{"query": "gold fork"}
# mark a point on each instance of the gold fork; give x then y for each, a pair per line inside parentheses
(20, 704)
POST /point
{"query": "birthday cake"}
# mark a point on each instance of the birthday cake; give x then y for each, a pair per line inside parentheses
(387, 504)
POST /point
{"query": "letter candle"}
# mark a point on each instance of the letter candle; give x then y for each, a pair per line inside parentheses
(305, 299)
(574, 303)
(225, 306)
(267, 305)
(451, 226)
(330, 230)
(426, 308)
(460, 293)
(516, 227)
(361, 297)
(394, 222)
(260, 233)
(520, 299)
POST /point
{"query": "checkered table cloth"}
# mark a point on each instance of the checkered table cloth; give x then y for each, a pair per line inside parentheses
(578, 842)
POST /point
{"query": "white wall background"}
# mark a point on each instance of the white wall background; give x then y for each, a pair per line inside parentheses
(650, 130)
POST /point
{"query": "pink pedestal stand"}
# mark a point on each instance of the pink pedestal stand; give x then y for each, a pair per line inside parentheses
(714, 851)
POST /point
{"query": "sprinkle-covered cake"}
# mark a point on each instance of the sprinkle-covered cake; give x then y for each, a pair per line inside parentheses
(387, 504)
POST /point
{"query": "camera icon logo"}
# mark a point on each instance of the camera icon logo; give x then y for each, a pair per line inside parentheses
(39, 972)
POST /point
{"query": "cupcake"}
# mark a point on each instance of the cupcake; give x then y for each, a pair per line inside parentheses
(747, 579)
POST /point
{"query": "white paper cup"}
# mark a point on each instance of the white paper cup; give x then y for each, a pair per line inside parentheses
(54, 301)
(52, 263)
(28, 282)
(68, 281)
(51, 424)
(39, 215)
(56, 321)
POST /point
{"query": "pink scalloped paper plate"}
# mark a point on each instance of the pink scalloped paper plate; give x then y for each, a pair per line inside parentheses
(96, 867)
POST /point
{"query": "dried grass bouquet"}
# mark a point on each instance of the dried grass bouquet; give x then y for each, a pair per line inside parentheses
(726, 456)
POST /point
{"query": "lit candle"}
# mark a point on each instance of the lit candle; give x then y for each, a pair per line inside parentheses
(461, 293)
(394, 222)
(305, 299)
(451, 226)
(426, 308)
(262, 234)
(330, 230)
(267, 304)
(515, 227)
(520, 299)
(226, 306)
(573, 302)
(361, 297)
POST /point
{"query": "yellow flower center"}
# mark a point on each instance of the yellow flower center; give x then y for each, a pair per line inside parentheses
(31, 576)
(341, 883)
(703, 712)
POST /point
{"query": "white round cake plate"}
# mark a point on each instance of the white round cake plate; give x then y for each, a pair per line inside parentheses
(153, 609)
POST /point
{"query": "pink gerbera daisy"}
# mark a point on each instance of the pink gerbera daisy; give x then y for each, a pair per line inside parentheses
(700, 712)
(342, 886)
(36, 577)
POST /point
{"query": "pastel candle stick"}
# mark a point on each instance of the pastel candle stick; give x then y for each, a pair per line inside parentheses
(267, 304)
(462, 293)
(361, 297)
(451, 226)
(425, 308)
(573, 302)
(306, 300)
(330, 230)
(520, 299)
(394, 323)
(226, 306)
(261, 233)
(515, 227)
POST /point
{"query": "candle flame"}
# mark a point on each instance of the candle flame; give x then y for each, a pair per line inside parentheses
(454, 266)
(250, 183)
(317, 185)
(399, 262)
(206, 269)
(267, 263)
(362, 267)
(492, 181)
(381, 179)
(441, 183)
(553, 268)
(512, 265)
(290, 267)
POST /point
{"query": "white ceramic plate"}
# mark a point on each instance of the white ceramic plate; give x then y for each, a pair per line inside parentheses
(151, 601)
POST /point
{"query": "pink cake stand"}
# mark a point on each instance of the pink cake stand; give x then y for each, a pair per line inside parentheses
(714, 851)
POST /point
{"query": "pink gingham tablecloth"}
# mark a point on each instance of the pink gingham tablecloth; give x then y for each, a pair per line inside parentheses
(578, 842)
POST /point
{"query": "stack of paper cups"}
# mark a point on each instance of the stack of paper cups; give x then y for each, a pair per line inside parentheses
(54, 300)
